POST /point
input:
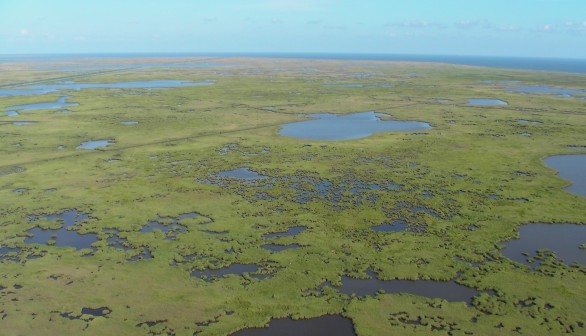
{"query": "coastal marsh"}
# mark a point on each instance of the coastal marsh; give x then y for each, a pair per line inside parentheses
(171, 221)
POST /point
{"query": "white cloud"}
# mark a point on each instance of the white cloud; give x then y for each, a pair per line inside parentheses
(24, 32)
(546, 28)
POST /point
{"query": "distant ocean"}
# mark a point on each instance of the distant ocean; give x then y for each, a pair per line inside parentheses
(544, 64)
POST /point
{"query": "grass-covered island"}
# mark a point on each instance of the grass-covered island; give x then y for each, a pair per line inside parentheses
(164, 196)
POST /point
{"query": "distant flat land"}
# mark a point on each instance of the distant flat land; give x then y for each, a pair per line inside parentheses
(193, 215)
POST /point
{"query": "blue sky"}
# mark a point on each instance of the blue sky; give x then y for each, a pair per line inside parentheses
(540, 28)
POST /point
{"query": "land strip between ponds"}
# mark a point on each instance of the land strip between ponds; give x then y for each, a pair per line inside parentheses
(90, 152)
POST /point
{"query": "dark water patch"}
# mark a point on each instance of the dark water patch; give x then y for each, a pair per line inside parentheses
(128, 122)
(546, 90)
(63, 236)
(93, 144)
(397, 225)
(113, 160)
(525, 134)
(96, 312)
(441, 100)
(327, 126)
(145, 254)
(63, 111)
(188, 215)
(291, 232)
(577, 147)
(209, 275)
(59, 103)
(242, 173)
(210, 232)
(153, 84)
(562, 239)
(526, 121)
(164, 227)
(278, 248)
(10, 253)
(11, 113)
(150, 323)
(570, 167)
(21, 190)
(312, 189)
(320, 326)
(447, 290)
(486, 102)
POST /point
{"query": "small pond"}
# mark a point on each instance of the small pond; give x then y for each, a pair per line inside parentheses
(447, 290)
(209, 275)
(11, 113)
(397, 225)
(562, 239)
(320, 326)
(327, 126)
(486, 102)
(291, 232)
(128, 122)
(58, 104)
(242, 173)
(279, 248)
(95, 144)
(570, 167)
(63, 236)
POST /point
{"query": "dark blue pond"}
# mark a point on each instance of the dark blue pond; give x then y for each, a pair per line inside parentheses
(327, 126)
(573, 168)
(562, 239)
(320, 326)
(242, 173)
(447, 290)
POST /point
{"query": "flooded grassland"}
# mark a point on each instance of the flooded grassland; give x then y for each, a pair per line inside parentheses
(174, 200)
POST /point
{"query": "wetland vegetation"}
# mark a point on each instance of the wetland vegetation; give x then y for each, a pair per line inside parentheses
(196, 212)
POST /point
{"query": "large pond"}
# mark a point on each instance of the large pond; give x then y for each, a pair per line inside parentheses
(327, 126)
(325, 325)
(573, 168)
(447, 290)
(58, 104)
(562, 239)
(46, 88)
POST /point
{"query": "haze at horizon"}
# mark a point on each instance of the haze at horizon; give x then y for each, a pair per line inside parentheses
(539, 28)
